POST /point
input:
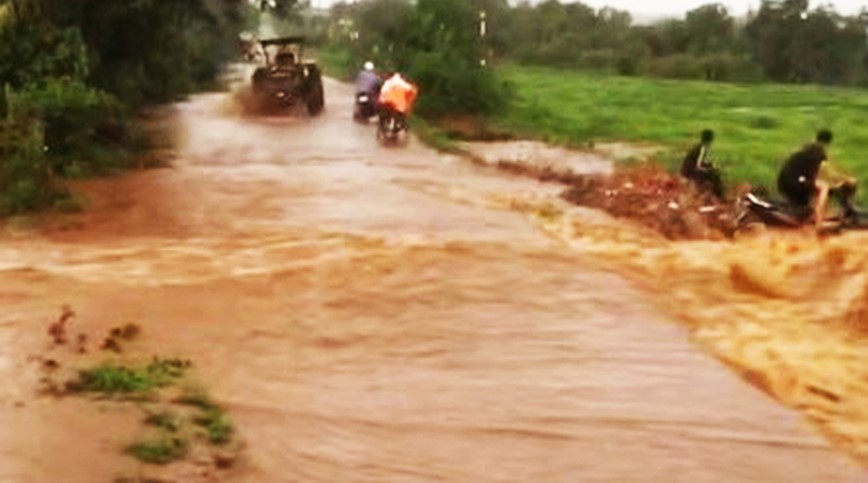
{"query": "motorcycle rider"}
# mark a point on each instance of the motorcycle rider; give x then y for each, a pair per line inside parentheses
(368, 84)
(807, 180)
(396, 99)
(697, 167)
(367, 81)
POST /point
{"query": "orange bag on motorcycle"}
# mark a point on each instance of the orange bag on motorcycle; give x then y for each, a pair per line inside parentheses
(399, 95)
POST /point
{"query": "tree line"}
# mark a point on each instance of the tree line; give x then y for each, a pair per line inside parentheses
(783, 41)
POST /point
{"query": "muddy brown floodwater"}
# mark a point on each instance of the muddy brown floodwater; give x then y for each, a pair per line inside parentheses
(392, 314)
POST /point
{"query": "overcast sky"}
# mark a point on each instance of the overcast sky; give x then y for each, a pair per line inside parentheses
(736, 7)
(658, 8)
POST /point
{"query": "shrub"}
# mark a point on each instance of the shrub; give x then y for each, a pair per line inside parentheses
(26, 182)
(84, 129)
(453, 85)
(714, 67)
(30, 54)
(678, 66)
(599, 59)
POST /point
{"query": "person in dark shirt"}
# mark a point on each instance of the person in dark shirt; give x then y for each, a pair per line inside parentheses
(697, 168)
(807, 181)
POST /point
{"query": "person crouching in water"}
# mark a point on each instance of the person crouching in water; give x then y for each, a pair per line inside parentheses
(396, 100)
(697, 168)
(807, 180)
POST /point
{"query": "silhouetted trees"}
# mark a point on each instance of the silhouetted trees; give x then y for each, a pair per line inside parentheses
(783, 41)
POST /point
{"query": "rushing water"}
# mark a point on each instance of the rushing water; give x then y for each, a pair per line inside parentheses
(390, 314)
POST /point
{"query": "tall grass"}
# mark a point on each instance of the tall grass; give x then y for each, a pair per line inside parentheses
(757, 125)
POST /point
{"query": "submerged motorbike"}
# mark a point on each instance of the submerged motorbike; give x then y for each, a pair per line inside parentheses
(758, 209)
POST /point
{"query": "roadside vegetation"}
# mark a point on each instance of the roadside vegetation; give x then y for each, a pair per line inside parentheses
(435, 43)
(571, 74)
(757, 125)
(74, 74)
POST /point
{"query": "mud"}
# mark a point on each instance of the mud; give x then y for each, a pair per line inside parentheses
(375, 314)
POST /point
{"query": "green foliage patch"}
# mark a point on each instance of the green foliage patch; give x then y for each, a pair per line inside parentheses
(113, 379)
(161, 450)
(72, 70)
(434, 43)
(757, 125)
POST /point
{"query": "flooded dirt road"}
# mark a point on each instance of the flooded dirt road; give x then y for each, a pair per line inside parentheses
(392, 314)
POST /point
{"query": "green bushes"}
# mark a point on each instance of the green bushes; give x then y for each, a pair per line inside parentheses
(434, 42)
(454, 86)
(83, 129)
(30, 54)
(723, 67)
(26, 182)
(70, 70)
(55, 130)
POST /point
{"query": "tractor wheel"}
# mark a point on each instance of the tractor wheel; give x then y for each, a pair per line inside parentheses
(315, 94)
(258, 79)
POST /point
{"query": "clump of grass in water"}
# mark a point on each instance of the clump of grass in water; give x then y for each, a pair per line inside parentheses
(196, 398)
(113, 379)
(211, 417)
(166, 420)
(216, 424)
(119, 379)
(159, 451)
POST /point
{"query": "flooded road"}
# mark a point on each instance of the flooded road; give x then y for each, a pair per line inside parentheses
(392, 314)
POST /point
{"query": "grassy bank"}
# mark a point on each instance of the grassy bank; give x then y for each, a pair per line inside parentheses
(757, 125)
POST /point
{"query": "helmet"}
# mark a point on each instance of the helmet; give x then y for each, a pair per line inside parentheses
(369, 65)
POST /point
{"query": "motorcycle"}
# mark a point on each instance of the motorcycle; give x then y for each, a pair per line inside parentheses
(756, 209)
(392, 126)
(365, 107)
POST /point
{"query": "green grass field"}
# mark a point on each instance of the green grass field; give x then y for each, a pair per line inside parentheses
(757, 126)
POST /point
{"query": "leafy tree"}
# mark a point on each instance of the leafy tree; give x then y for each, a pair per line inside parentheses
(710, 28)
(793, 44)
(143, 51)
(64, 66)
(436, 42)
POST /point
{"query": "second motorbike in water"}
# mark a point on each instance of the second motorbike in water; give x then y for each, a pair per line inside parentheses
(392, 125)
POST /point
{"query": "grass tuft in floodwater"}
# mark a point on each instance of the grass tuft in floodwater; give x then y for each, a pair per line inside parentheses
(217, 426)
(159, 451)
(121, 379)
(197, 398)
(210, 416)
(166, 420)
